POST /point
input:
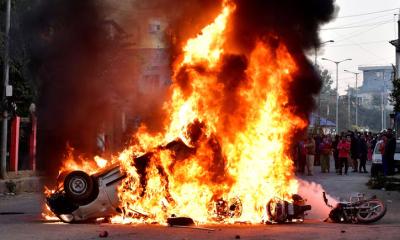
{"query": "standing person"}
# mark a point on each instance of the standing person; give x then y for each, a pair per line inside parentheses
(318, 141)
(310, 147)
(370, 148)
(344, 153)
(336, 152)
(373, 143)
(325, 153)
(302, 153)
(363, 154)
(355, 151)
(382, 145)
(390, 149)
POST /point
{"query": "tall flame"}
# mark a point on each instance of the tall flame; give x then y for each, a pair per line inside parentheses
(227, 135)
(242, 155)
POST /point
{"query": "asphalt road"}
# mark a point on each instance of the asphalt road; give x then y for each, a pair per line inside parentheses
(20, 219)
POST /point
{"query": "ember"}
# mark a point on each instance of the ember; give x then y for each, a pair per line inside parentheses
(225, 151)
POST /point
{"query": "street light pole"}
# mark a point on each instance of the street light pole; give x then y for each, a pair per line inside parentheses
(355, 73)
(337, 89)
(348, 107)
(382, 101)
(318, 120)
(316, 51)
(6, 70)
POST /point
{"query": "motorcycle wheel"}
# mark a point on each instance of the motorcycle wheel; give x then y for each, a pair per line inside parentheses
(276, 211)
(371, 211)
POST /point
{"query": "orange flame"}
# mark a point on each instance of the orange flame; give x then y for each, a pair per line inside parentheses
(254, 165)
(236, 153)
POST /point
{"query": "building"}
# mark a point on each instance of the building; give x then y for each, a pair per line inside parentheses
(377, 81)
(142, 72)
(375, 91)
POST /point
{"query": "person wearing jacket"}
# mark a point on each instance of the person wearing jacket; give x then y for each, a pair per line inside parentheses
(382, 150)
(388, 154)
(355, 150)
(344, 154)
(325, 151)
(310, 147)
(363, 154)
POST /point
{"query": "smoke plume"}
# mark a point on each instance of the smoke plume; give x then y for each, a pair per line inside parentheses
(83, 74)
(85, 78)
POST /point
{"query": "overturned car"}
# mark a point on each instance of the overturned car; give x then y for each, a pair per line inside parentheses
(84, 197)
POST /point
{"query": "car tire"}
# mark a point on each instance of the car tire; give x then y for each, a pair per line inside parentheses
(80, 188)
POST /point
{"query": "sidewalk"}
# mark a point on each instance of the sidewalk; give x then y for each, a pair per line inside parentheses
(25, 181)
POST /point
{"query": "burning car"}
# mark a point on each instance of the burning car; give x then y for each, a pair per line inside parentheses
(83, 197)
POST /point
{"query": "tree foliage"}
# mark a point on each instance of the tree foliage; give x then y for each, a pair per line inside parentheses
(24, 92)
(327, 81)
(395, 95)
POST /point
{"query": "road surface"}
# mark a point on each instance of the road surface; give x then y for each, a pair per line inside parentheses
(20, 219)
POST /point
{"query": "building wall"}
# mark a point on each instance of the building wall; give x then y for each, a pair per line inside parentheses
(144, 67)
(376, 80)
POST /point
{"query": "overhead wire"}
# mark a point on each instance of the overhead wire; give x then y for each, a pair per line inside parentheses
(368, 13)
(359, 26)
(361, 43)
(360, 32)
(364, 21)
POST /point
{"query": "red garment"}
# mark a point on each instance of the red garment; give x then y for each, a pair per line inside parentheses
(382, 147)
(344, 149)
(326, 148)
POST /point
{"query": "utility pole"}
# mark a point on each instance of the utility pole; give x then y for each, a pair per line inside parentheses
(355, 73)
(337, 89)
(318, 120)
(348, 107)
(5, 87)
(382, 100)
(396, 44)
(398, 48)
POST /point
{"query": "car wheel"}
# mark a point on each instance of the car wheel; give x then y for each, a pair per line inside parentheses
(80, 187)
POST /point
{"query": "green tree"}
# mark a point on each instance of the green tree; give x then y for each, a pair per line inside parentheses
(24, 92)
(325, 106)
(327, 81)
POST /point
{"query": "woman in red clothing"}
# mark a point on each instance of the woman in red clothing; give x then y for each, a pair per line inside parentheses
(344, 153)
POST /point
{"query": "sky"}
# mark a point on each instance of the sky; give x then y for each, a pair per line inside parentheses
(362, 34)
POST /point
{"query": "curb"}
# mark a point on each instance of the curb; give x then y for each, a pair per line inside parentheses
(26, 184)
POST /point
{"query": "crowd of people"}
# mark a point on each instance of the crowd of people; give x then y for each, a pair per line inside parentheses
(349, 149)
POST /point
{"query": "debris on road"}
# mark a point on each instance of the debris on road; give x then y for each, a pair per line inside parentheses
(103, 234)
(194, 227)
(180, 221)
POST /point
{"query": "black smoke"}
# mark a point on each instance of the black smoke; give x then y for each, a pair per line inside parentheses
(296, 24)
(74, 60)
(78, 70)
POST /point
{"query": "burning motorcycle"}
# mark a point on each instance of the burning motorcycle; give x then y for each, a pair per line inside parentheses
(282, 211)
(222, 210)
(357, 210)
